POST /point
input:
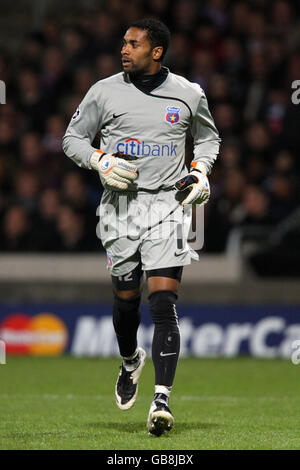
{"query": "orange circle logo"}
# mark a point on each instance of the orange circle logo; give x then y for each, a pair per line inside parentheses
(49, 335)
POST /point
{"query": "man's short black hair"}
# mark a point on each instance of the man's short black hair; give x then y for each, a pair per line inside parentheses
(157, 33)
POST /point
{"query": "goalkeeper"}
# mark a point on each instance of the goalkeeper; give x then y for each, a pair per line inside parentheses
(143, 114)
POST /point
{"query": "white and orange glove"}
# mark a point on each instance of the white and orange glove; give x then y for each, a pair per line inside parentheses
(197, 183)
(115, 169)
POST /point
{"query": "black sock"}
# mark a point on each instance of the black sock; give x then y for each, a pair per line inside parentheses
(126, 320)
(166, 337)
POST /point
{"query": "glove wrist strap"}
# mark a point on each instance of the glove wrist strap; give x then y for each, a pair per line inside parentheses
(95, 158)
(199, 166)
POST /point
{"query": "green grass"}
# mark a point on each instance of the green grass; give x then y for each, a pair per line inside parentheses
(68, 403)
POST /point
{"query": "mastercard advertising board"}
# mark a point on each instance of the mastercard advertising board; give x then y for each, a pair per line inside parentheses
(44, 334)
(86, 330)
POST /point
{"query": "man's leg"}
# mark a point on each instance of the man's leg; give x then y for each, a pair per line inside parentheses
(126, 320)
(163, 286)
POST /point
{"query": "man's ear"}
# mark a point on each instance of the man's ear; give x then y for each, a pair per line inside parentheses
(157, 52)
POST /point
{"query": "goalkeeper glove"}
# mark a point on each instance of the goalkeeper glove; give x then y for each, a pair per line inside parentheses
(197, 183)
(115, 169)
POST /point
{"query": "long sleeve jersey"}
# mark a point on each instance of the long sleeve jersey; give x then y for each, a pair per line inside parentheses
(150, 126)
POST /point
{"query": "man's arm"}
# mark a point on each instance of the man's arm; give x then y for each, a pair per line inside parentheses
(206, 136)
(206, 149)
(115, 170)
(82, 130)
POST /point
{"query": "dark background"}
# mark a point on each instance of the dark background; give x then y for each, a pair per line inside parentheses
(244, 54)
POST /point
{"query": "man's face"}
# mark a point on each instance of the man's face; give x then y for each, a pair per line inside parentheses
(136, 52)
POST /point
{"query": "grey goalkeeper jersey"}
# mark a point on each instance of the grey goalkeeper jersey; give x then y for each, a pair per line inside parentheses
(151, 127)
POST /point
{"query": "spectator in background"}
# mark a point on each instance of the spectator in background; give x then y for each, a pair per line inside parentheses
(185, 16)
(225, 211)
(55, 125)
(230, 155)
(256, 170)
(74, 45)
(106, 65)
(257, 141)
(282, 18)
(45, 235)
(177, 54)
(239, 17)
(284, 164)
(8, 141)
(276, 52)
(215, 10)
(4, 187)
(255, 207)
(283, 196)
(226, 119)
(31, 100)
(233, 67)
(202, 68)
(159, 8)
(72, 236)
(256, 92)
(54, 80)
(275, 109)
(32, 49)
(74, 193)
(84, 78)
(31, 152)
(106, 33)
(16, 230)
(26, 191)
(218, 89)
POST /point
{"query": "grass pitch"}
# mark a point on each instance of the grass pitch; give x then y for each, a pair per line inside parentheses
(68, 403)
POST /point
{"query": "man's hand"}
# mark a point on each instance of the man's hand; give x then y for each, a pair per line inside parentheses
(115, 169)
(197, 183)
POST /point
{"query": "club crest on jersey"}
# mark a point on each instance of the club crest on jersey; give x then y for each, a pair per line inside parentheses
(172, 115)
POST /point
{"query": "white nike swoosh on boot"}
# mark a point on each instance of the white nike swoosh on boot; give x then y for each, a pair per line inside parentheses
(167, 354)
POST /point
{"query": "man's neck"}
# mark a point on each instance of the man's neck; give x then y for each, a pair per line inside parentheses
(153, 71)
(146, 82)
(145, 73)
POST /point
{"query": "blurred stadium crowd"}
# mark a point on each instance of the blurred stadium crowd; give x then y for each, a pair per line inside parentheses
(244, 54)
